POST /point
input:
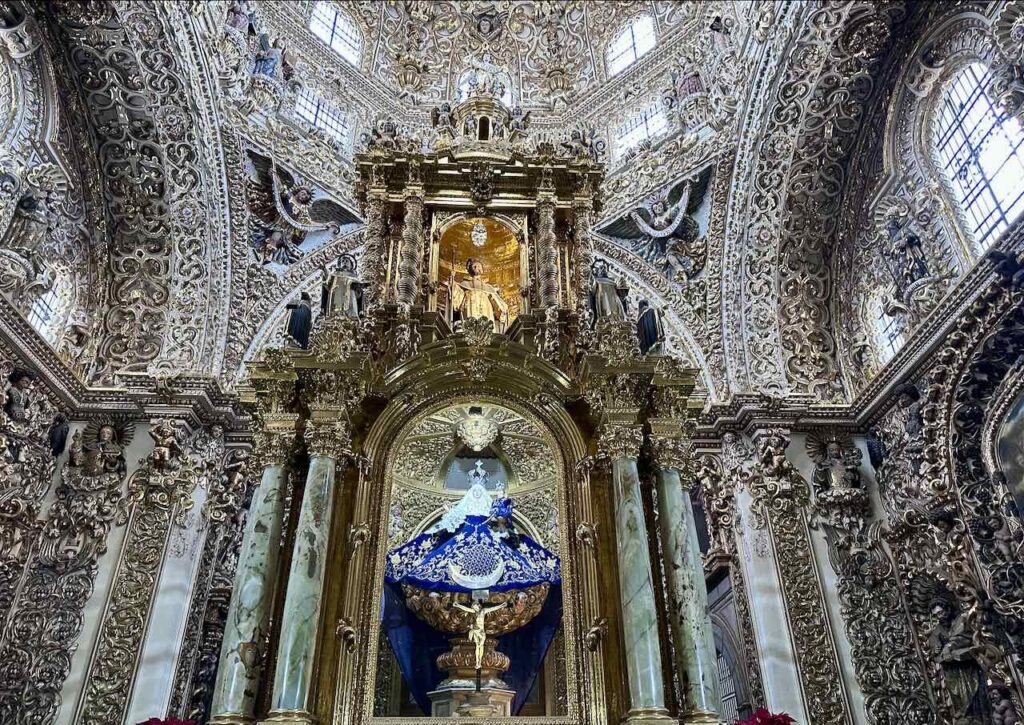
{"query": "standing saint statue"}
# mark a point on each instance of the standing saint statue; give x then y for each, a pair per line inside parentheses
(474, 296)
(477, 635)
(606, 295)
(342, 291)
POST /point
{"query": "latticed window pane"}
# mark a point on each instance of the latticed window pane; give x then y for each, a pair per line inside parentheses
(40, 315)
(321, 114)
(650, 123)
(635, 39)
(888, 329)
(338, 31)
(981, 152)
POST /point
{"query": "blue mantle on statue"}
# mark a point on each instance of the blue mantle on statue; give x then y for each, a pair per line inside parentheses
(470, 550)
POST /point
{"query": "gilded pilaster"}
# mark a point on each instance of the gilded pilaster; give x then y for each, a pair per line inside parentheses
(689, 615)
(780, 500)
(620, 444)
(159, 495)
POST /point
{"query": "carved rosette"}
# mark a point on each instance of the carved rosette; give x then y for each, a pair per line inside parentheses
(410, 255)
(617, 441)
(329, 439)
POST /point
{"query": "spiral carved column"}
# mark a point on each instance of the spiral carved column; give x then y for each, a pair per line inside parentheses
(375, 254)
(547, 252)
(583, 217)
(412, 246)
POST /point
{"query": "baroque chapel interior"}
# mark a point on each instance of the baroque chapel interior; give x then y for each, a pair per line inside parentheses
(572, 362)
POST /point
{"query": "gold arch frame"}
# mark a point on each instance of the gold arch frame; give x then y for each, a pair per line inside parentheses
(539, 396)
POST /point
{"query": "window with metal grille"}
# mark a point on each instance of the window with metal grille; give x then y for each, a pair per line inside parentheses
(338, 31)
(888, 329)
(981, 151)
(321, 114)
(630, 44)
(649, 123)
(41, 314)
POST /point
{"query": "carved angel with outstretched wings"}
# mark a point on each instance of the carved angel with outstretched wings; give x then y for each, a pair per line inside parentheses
(286, 210)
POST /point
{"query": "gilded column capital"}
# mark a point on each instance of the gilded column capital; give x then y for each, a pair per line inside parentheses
(618, 441)
(273, 441)
(334, 390)
(673, 452)
(329, 439)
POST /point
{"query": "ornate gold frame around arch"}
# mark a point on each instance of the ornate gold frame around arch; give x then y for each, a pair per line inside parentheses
(539, 399)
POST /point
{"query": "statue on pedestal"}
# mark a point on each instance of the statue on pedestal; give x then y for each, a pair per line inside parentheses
(650, 329)
(300, 320)
(607, 297)
(342, 290)
(474, 297)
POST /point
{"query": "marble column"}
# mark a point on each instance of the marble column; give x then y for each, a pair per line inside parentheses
(252, 597)
(300, 619)
(636, 584)
(689, 615)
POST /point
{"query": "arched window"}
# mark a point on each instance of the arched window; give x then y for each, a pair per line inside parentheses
(648, 124)
(888, 328)
(338, 30)
(321, 114)
(981, 152)
(632, 42)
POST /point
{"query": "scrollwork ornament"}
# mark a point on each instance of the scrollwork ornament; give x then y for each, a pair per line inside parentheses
(780, 496)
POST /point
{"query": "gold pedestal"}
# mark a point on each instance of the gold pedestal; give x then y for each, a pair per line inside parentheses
(702, 717)
(457, 702)
(456, 696)
(288, 717)
(231, 718)
(649, 716)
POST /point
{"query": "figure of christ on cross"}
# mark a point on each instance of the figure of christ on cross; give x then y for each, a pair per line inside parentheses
(476, 633)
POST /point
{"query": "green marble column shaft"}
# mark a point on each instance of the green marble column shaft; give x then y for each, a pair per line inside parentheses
(238, 676)
(301, 616)
(690, 617)
(636, 587)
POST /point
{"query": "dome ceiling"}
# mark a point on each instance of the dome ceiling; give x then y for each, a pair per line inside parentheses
(550, 54)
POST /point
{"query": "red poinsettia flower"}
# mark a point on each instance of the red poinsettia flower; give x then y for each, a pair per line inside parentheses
(763, 717)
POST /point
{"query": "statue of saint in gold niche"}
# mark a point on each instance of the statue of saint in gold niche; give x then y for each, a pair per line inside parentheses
(474, 296)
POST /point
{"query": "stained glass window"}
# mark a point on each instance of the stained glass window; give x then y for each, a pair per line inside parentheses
(338, 31)
(980, 150)
(321, 114)
(630, 44)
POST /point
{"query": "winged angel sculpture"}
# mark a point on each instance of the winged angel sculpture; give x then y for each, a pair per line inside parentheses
(286, 212)
(667, 236)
